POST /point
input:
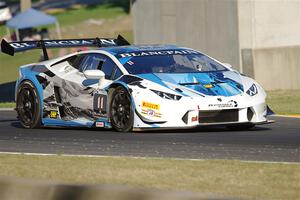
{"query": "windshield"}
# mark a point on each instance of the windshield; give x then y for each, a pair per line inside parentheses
(173, 63)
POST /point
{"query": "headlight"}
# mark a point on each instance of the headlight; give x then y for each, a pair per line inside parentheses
(166, 95)
(252, 90)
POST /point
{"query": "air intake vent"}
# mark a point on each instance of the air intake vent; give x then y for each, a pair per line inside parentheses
(249, 114)
(218, 116)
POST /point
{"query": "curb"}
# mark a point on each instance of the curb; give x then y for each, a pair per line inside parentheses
(288, 116)
(7, 109)
(141, 157)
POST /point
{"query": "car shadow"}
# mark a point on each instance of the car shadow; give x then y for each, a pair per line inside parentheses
(204, 129)
(8, 120)
(17, 124)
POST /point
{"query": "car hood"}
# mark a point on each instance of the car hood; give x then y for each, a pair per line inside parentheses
(223, 83)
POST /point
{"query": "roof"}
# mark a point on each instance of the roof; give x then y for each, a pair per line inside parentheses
(30, 18)
(140, 48)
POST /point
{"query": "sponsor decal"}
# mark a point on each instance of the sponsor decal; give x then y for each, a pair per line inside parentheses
(130, 62)
(68, 69)
(195, 118)
(229, 104)
(150, 105)
(252, 90)
(59, 43)
(208, 85)
(151, 113)
(100, 102)
(153, 53)
(234, 103)
(99, 124)
(53, 114)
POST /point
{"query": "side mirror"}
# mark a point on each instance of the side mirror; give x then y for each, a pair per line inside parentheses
(227, 65)
(94, 74)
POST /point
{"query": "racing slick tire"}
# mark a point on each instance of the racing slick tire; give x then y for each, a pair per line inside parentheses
(28, 105)
(240, 127)
(121, 114)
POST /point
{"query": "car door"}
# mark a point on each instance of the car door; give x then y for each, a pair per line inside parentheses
(111, 71)
(81, 97)
(83, 92)
(75, 96)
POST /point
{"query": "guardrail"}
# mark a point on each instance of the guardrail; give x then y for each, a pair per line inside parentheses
(25, 189)
(7, 92)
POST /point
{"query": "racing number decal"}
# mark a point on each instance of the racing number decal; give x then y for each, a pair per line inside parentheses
(100, 103)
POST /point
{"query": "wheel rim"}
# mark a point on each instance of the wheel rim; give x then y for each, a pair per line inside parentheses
(26, 106)
(121, 110)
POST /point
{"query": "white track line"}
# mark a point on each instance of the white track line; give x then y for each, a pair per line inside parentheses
(135, 157)
(287, 116)
(7, 109)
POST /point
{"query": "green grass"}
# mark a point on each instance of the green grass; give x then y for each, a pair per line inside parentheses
(284, 101)
(75, 16)
(9, 65)
(8, 105)
(229, 178)
(2, 31)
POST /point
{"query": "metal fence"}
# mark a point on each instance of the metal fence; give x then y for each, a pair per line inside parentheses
(7, 92)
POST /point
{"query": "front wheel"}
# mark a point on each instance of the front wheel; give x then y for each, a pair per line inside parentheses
(121, 114)
(28, 105)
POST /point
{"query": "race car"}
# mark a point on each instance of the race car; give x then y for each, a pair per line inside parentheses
(133, 87)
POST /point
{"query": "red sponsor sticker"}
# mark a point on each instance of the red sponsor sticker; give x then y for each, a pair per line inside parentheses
(99, 124)
(194, 119)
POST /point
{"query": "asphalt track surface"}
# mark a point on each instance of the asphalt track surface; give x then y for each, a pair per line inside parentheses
(279, 142)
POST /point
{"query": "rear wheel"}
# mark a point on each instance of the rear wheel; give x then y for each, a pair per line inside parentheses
(28, 105)
(121, 115)
(241, 127)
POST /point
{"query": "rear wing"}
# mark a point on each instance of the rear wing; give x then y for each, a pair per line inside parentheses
(15, 47)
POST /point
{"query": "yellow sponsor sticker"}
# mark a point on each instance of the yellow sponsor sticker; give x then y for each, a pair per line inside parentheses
(53, 114)
(150, 105)
(208, 86)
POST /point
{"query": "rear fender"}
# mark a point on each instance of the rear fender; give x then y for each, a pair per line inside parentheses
(27, 74)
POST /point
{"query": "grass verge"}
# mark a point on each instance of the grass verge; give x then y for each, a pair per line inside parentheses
(75, 16)
(9, 65)
(229, 178)
(284, 102)
(8, 105)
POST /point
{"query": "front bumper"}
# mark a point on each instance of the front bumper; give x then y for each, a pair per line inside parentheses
(201, 125)
(186, 116)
